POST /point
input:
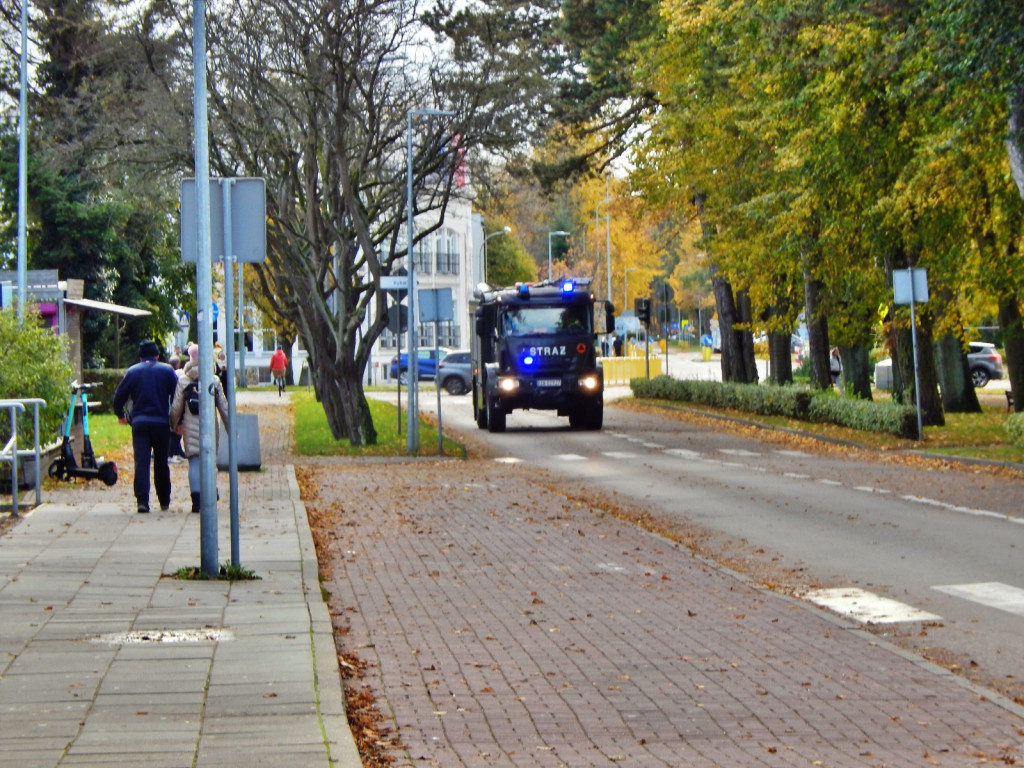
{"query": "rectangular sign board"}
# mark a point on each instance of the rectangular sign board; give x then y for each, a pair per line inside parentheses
(394, 282)
(248, 220)
(910, 285)
(436, 305)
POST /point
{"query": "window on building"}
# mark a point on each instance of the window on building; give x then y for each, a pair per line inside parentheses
(447, 243)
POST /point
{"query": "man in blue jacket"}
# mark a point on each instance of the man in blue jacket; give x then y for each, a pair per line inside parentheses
(147, 389)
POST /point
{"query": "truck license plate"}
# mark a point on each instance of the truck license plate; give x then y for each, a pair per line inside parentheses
(549, 382)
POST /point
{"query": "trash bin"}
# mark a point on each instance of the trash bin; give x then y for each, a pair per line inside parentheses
(247, 448)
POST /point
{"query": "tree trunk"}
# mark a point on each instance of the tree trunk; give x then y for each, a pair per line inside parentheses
(958, 395)
(1013, 346)
(817, 334)
(856, 378)
(734, 350)
(780, 358)
(903, 359)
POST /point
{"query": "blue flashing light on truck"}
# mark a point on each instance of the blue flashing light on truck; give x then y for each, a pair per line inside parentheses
(534, 346)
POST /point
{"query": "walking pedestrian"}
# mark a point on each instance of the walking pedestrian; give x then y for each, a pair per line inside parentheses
(184, 416)
(148, 386)
(278, 366)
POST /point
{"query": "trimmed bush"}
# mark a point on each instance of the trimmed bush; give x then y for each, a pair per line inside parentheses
(34, 365)
(788, 401)
(1015, 429)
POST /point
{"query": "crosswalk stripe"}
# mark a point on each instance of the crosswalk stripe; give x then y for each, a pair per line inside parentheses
(867, 607)
(992, 593)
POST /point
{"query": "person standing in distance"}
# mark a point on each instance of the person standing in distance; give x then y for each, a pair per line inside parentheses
(149, 385)
(185, 417)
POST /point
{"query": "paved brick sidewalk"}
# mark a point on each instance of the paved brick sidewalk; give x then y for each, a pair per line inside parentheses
(507, 626)
(104, 662)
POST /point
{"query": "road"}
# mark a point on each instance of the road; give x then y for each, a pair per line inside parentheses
(934, 547)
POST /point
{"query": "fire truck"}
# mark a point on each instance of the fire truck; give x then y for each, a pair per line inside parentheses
(533, 346)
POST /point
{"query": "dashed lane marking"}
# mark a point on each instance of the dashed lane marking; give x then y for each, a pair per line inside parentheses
(798, 454)
(964, 510)
(826, 481)
(867, 607)
(509, 460)
(991, 593)
(569, 457)
(683, 453)
(870, 489)
(619, 454)
(738, 452)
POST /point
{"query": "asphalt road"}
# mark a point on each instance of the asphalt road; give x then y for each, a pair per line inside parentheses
(943, 540)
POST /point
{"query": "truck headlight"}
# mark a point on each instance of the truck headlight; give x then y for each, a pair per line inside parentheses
(590, 382)
(508, 385)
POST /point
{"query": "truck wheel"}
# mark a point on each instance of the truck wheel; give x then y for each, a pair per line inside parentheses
(495, 416)
(479, 412)
(595, 417)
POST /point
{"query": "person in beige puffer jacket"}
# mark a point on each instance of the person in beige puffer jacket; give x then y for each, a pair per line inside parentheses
(186, 423)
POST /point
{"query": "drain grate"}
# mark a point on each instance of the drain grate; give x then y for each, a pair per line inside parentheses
(142, 636)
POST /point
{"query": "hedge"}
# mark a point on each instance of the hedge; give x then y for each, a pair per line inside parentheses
(789, 401)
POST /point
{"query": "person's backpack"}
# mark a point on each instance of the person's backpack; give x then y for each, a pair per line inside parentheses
(192, 397)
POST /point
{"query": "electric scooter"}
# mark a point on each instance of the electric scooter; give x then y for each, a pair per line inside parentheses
(65, 467)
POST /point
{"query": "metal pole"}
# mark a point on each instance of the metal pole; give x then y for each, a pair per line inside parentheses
(229, 351)
(204, 296)
(241, 330)
(23, 168)
(913, 339)
(412, 369)
(412, 441)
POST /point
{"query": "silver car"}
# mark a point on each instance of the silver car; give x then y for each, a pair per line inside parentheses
(455, 372)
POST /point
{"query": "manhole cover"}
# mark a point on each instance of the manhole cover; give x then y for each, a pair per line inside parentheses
(166, 636)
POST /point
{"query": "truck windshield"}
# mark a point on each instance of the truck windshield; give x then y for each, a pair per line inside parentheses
(532, 319)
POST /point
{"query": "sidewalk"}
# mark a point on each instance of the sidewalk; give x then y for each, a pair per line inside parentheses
(105, 662)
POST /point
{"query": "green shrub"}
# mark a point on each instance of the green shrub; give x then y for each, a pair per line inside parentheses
(793, 402)
(107, 379)
(34, 365)
(1015, 429)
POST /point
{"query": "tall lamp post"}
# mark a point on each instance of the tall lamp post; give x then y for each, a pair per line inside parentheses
(625, 286)
(412, 434)
(505, 231)
(556, 233)
(23, 165)
(608, 238)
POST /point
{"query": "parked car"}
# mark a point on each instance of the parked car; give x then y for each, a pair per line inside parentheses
(985, 363)
(455, 372)
(426, 365)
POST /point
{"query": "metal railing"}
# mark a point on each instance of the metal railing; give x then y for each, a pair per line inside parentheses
(10, 450)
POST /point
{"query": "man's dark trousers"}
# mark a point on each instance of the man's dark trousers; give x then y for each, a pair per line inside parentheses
(155, 438)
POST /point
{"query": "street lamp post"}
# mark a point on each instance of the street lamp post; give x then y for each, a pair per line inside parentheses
(556, 233)
(499, 233)
(608, 238)
(412, 435)
(23, 166)
(625, 286)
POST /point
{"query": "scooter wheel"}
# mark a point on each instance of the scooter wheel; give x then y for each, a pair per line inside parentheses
(108, 472)
(57, 469)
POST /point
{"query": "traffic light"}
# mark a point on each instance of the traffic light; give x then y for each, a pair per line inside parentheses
(642, 307)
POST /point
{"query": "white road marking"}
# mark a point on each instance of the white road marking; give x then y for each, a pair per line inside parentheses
(867, 607)
(737, 452)
(619, 455)
(826, 481)
(508, 460)
(869, 489)
(992, 593)
(612, 568)
(796, 476)
(799, 454)
(964, 510)
(652, 445)
(569, 457)
(683, 453)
